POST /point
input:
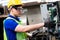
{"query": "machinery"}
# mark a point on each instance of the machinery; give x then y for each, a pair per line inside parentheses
(55, 13)
(52, 12)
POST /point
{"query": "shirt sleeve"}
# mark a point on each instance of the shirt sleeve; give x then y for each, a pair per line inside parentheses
(10, 24)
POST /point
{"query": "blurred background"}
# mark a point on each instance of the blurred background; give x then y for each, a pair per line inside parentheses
(36, 11)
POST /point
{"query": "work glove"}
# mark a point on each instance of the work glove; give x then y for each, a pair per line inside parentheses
(50, 24)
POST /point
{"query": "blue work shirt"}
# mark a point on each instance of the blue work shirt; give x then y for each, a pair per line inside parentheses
(10, 26)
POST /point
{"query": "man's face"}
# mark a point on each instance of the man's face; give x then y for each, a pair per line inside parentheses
(17, 11)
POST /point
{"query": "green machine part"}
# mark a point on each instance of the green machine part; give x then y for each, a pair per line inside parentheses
(53, 13)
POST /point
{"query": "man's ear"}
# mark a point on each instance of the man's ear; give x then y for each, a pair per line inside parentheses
(12, 9)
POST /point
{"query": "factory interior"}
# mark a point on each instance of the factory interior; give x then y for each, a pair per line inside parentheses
(37, 12)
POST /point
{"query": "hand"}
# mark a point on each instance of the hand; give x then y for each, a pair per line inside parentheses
(50, 24)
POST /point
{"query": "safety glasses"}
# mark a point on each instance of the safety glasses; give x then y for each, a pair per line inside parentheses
(18, 8)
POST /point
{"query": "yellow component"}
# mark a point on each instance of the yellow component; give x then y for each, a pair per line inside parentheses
(5, 37)
(14, 2)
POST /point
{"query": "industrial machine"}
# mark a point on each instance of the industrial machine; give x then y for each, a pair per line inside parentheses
(51, 12)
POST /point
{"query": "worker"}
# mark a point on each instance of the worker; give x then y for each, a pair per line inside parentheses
(13, 25)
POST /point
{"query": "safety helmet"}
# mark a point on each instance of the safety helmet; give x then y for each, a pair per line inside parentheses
(14, 2)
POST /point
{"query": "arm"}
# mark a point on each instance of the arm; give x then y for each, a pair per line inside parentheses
(21, 28)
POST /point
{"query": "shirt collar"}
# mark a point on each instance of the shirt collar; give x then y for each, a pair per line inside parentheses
(13, 17)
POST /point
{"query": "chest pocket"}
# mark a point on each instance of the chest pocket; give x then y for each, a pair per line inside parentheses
(19, 35)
